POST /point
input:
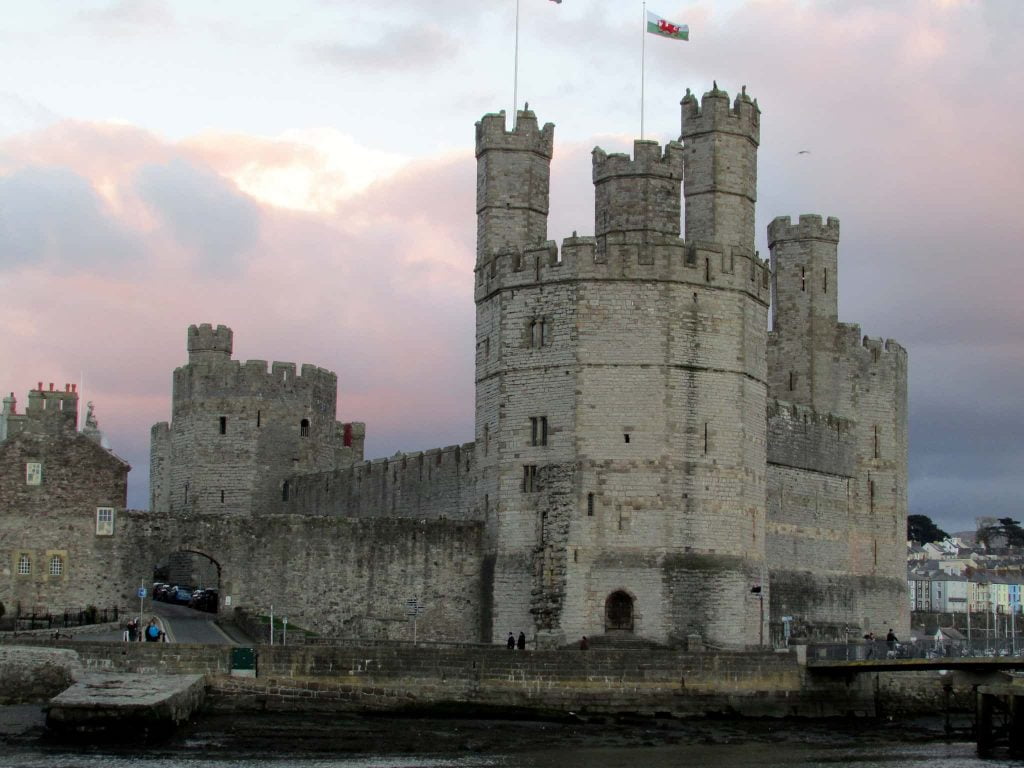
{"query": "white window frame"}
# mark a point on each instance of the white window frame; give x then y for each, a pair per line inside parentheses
(24, 564)
(104, 521)
(56, 565)
(33, 473)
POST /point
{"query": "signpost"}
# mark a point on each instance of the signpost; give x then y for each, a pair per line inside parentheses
(413, 608)
(142, 598)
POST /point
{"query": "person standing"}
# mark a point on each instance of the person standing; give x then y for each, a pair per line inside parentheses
(511, 642)
(521, 643)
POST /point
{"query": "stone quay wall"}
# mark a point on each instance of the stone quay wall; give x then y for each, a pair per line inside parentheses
(391, 677)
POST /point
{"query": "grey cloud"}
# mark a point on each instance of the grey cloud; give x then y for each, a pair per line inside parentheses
(54, 216)
(204, 212)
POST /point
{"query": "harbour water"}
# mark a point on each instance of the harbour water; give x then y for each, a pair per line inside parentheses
(299, 741)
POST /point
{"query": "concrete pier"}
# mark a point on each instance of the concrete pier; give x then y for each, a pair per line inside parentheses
(123, 706)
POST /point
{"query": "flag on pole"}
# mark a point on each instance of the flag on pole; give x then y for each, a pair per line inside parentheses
(659, 26)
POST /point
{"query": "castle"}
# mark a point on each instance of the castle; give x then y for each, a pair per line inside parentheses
(649, 459)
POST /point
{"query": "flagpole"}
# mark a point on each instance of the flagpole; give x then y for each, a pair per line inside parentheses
(515, 76)
(643, 63)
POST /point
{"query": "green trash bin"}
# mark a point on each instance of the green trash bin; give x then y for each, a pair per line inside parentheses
(243, 662)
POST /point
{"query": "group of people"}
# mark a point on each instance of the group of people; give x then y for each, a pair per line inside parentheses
(512, 643)
(890, 640)
(151, 633)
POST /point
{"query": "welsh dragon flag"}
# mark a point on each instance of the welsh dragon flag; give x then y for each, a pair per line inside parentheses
(659, 26)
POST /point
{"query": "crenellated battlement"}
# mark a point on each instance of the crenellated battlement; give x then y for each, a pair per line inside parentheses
(622, 257)
(715, 114)
(869, 349)
(648, 160)
(206, 342)
(808, 227)
(525, 135)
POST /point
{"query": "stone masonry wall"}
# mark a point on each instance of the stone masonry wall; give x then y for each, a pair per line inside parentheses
(339, 576)
(57, 519)
(430, 485)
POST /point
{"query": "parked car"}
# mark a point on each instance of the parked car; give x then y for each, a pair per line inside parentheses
(160, 591)
(204, 600)
(180, 595)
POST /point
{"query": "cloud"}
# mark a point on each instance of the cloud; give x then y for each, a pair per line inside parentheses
(20, 115)
(398, 49)
(52, 216)
(205, 213)
(124, 17)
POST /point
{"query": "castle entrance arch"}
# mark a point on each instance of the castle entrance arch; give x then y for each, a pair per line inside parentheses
(618, 612)
(185, 572)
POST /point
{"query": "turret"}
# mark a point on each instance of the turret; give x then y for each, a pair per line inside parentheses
(805, 310)
(639, 194)
(206, 344)
(720, 179)
(512, 182)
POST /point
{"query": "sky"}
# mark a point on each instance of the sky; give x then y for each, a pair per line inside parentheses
(303, 172)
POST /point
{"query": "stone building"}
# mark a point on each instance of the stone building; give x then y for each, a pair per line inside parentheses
(649, 460)
(62, 495)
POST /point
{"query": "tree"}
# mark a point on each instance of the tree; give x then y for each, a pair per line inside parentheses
(921, 529)
(1011, 531)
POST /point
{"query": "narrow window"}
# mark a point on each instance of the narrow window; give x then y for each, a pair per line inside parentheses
(259, 415)
(792, 380)
(824, 282)
(304, 428)
(222, 497)
(186, 493)
(284, 491)
(803, 279)
(590, 505)
(487, 503)
(876, 551)
(104, 521)
(223, 425)
(707, 270)
(24, 565)
(625, 436)
(487, 348)
(876, 441)
(538, 430)
(705, 438)
(487, 438)
(56, 566)
(575, 555)
(871, 494)
(529, 478)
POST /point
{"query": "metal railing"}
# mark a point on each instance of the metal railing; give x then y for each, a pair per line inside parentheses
(927, 649)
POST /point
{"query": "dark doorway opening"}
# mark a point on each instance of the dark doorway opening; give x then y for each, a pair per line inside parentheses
(618, 613)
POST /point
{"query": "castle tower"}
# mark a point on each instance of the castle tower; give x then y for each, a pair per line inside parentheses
(837, 447)
(805, 311)
(621, 394)
(237, 430)
(640, 195)
(513, 171)
(720, 182)
(515, 331)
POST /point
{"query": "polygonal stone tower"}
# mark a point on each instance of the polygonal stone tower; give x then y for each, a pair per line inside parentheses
(238, 430)
(621, 390)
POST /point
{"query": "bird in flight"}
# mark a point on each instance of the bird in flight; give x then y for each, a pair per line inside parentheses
(804, 152)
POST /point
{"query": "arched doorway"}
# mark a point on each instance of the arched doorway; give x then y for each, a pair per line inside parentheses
(618, 612)
(190, 578)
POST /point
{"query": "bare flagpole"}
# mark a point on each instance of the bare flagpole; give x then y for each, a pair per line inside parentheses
(515, 76)
(643, 62)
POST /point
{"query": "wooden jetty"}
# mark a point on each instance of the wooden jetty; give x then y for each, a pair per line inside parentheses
(1000, 719)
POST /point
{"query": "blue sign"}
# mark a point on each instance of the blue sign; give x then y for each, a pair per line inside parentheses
(142, 592)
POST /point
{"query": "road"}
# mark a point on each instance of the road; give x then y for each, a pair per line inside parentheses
(181, 623)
